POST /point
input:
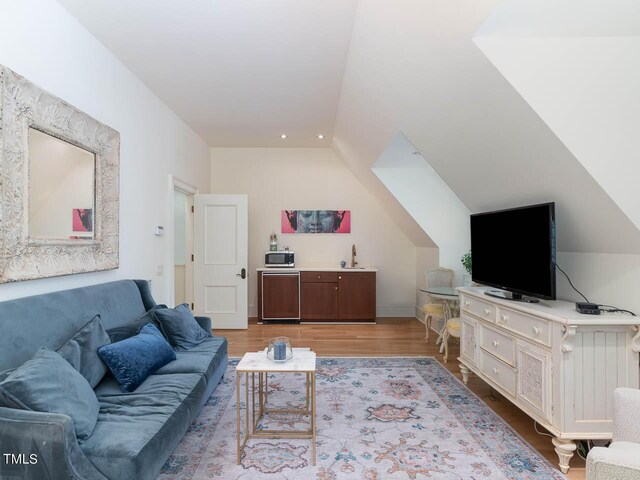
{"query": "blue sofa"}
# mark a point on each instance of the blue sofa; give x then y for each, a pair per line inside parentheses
(136, 432)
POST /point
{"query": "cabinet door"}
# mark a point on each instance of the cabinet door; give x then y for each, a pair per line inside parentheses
(319, 301)
(534, 374)
(357, 296)
(468, 339)
(280, 296)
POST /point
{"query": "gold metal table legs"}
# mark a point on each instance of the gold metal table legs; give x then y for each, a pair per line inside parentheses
(251, 428)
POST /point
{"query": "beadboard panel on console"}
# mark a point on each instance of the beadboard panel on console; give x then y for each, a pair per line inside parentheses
(556, 365)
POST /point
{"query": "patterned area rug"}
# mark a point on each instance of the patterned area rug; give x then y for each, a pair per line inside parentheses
(378, 418)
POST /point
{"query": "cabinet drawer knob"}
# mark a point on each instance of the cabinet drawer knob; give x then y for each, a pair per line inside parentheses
(339, 278)
(318, 276)
(336, 288)
(487, 311)
(505, 317)
(535, 330)
(467, 303)
(495, 344)
(495, 371)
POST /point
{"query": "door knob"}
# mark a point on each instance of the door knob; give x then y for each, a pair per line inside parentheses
(242, 274)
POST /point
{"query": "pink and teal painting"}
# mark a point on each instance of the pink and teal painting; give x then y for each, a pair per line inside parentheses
(316, 221)
(83, 220)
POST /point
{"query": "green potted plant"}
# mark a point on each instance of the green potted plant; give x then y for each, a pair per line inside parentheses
(466, 263)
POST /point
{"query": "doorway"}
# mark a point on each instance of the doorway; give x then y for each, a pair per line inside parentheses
(181, 266)
(180, 250)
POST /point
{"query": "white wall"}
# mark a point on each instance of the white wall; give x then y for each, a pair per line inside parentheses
(42, 42)
(428, 199)
(314, 178)
(577, 65)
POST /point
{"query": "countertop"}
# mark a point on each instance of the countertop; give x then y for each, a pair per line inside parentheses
(554, 310)
(315, 269)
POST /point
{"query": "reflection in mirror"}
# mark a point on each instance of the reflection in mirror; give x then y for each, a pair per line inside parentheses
(61, 189)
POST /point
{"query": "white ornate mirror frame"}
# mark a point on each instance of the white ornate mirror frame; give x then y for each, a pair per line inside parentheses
(24, 105)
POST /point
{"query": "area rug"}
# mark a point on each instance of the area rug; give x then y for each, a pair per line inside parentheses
(377, 418)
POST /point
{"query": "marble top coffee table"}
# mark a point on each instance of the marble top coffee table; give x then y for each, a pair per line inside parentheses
(256, 366)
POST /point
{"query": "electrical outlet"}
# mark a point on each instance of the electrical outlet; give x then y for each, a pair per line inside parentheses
(159, 269)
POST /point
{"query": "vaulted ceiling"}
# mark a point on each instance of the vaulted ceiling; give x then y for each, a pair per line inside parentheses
(240, 73)
(359, 72)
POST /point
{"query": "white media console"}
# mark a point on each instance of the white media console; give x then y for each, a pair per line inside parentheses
(556, 365)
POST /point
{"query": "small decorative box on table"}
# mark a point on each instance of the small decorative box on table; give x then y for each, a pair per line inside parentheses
(257, 364)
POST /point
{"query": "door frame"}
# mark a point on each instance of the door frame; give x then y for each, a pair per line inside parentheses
(189, 190)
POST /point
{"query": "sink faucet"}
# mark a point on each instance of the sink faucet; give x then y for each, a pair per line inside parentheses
(353, 256)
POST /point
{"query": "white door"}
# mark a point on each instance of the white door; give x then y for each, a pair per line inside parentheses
(220, 259)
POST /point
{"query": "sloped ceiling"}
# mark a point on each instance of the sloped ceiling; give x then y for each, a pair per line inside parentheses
(365, 70)
(228, 68)
(577, 65)
(413, 67)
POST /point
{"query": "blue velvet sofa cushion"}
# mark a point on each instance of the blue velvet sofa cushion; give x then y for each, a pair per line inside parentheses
(82, 351)
(132, 360)
(137, 431)
(180, 327)
(48, 383)
(123, 332)
(203, 358)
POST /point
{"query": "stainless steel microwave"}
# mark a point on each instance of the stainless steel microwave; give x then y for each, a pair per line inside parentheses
(279, 259)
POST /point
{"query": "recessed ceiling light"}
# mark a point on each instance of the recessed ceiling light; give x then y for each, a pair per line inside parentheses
(320, 136)
(283, 136)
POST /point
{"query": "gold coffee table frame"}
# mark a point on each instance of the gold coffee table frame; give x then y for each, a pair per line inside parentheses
(253, 419)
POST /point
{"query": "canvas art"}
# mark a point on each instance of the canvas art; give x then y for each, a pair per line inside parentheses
(316, 221)
(83, 220)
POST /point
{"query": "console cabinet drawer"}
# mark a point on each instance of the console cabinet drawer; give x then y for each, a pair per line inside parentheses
(319, 277)
(534, 328)
(478, 307)
(499, 345)
(499, 372)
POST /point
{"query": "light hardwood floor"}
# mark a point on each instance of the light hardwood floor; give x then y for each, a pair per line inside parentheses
(391, 337)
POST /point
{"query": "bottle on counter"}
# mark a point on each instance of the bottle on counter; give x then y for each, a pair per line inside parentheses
(273, 243)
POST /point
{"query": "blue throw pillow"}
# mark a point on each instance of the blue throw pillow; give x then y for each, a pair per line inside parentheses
(180, 327)
(82, 351)
(48, 383)
(132, 360)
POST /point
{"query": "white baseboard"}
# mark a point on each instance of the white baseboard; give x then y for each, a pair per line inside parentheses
(395, 310)
(381, 311)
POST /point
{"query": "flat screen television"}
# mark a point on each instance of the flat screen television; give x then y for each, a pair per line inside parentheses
(515, 250)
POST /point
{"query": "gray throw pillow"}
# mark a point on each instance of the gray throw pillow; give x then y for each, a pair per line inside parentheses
(48, 383)
(82, 351)
(180, 327)
(128, 330)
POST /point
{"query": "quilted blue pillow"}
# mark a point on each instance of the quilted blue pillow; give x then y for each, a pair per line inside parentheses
(132, 360)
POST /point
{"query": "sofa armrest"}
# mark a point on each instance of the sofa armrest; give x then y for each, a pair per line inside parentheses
(38, 445)
(626, 415)
(205, 323)
(607, 464)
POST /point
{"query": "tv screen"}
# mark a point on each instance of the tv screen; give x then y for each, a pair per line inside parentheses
(515, 250)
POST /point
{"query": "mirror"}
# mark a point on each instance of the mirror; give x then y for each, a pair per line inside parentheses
(61, 189)
(59, 172)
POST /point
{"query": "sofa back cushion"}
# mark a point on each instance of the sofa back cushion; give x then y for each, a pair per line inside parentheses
(47, 383)
(180, 327)
(53, 318)
(82, 351)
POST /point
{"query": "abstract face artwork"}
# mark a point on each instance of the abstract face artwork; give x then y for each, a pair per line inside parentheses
(83, 220)
(316, 221)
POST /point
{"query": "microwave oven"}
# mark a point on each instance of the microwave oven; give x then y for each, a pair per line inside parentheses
(279, 259)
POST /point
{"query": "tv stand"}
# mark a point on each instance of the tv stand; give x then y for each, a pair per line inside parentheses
(516, 297)
(556, 365)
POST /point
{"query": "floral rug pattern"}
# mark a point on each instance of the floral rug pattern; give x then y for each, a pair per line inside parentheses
(377, 419)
